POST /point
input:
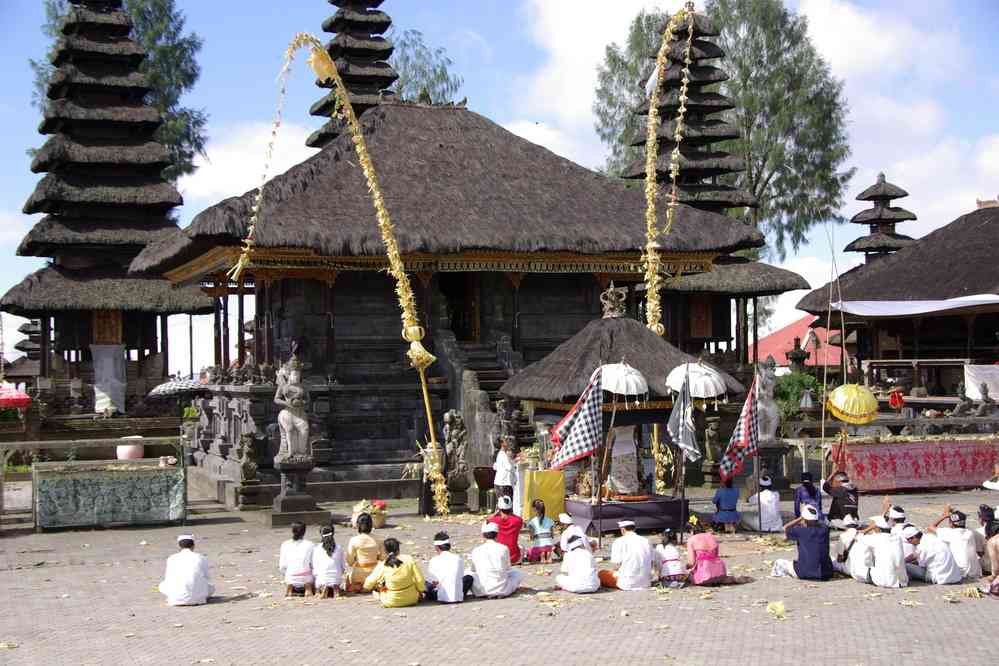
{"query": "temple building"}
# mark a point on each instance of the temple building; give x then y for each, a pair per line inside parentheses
(698, 309)
(509, 247)
(99, 330)
(881, 218)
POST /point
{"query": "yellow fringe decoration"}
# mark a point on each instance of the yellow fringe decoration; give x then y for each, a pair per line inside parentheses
(653, 263)
(325, 69)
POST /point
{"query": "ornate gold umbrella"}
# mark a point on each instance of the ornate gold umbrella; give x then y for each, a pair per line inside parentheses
(853, 403)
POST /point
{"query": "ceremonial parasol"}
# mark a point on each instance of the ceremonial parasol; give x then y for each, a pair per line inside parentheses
(622, 379)
(176, 387)
(853, 403)
(704, 381)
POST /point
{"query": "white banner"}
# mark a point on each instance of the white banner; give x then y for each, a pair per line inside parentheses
(976, 375)
(911, 308)
(109, 377)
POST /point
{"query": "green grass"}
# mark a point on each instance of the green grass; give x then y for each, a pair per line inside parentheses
(18, 469)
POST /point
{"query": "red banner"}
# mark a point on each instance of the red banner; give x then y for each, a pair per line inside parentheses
(943, 463)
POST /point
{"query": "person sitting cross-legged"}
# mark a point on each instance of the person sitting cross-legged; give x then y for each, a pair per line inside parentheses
(634, 556)
(581, 569)
(397, 581)
(672, 568)
(845, 499)
(960, 540)
(363, 553)
(812, 537)
(768, 502)
(889, 555)
(328, 564)
(446, 578)
(295, 562)
(987, 542)
(542, 528)
(187, 581)
(932, 560)
(493, 576)
(726, 501)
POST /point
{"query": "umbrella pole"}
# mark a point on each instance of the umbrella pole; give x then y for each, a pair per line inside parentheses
(600, 478)
(683, 494)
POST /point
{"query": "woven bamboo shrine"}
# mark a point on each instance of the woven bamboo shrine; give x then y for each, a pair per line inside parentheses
(98, 335)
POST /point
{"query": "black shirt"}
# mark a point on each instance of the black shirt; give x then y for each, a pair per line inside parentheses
(844, 501)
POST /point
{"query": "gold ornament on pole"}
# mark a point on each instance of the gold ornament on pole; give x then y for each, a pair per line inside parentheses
(420, 359)
(653, 263)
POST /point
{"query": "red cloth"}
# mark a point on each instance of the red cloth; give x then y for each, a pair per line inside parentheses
(943, 463)
(895, 399)
(509, 530)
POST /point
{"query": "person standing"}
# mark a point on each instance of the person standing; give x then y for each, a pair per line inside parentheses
(960, 540)
(506, 473)
(492, 576)
(845, 499)
(446, 579)
(932, 560)
(328, 564)
(295, 562)
(187, 581)
(812, 537)
(581, 568)
(633, 554)
(397, 580)
(726, 501)
(509, 525)
(769, 518)
(541, 528)
(363, 553)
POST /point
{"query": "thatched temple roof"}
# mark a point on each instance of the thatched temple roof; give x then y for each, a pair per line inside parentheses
(739, 277)
(881, 218)
(562, 375)
(955, 260)
(454, 181)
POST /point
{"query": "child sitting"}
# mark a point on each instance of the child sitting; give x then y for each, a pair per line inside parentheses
(672, 568)
(541, 527)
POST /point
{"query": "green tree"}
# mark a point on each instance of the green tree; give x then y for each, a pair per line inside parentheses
(789, 108)
(620, 90)
(424, 72)
(171, 67)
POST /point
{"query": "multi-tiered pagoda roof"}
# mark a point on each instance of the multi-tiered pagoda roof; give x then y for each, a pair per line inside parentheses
(701, 163)
(103, 193)
(881, 218)
(361, 55)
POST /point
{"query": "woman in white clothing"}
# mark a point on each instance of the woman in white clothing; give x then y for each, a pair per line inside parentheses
(581, 576)
(295, 562)
(328, 565)
(505, 477)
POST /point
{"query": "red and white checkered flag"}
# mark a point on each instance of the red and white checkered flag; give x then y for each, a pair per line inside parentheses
(745, 442)
(581, 431)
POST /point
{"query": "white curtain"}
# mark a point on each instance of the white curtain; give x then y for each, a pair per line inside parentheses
(976, 375)
(109, 377)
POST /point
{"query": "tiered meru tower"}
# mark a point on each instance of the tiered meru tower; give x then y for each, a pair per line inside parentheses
(881, 218)
(105, 198)
(361, 54)
(701, 164)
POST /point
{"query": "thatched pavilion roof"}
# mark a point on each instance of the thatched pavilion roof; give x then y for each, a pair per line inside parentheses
(53, 289)
(454, 181)
(53, 234)
(738, 276)
(955, 260)
(562, 375)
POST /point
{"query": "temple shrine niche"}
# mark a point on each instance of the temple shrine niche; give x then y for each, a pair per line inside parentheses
(101, 338)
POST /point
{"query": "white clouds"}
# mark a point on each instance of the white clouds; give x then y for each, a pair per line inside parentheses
(235, 163)
(13, 226)
(556, 140)
(11, 336)
(471, 40)
(816, 272)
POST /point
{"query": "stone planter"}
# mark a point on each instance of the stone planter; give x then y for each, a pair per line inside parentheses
(131, 451)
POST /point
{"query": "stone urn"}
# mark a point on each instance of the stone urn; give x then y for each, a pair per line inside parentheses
(484, 477)
(134, 451)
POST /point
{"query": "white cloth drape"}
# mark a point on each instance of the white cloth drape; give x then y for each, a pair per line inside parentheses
(109, 377)
(976, 375)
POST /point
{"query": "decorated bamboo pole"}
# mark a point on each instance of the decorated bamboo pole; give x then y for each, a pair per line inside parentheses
(653, 263)
(419, 358)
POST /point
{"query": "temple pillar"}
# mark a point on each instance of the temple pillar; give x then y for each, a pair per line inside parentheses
(259, 316)
(330, 315)
(140, 351)
(225, 327)
(240, 333)
(969, 325)
(165, 344)
(426, 296)
(45, 361)
(515, 280)
(218, 331)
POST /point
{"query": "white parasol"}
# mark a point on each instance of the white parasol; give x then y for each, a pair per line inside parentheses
(622, 379)
(704, 381)
(176, 387)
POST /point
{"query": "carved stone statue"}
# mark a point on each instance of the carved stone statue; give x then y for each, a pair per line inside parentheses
(769, 413)
(293, 397)
(964, 403)
(712, 450)
(247, 466)
(455, 446)
(987, 405)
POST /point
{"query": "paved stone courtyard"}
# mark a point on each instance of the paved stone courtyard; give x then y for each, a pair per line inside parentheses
(89, 597)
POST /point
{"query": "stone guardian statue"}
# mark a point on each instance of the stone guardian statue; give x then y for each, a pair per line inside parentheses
(293, 419)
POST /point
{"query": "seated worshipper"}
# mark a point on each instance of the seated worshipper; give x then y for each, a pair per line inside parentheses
(396, 580)
(704, 565)
(932, 562)
(726, 500)
(446, 579)
(295, 562)
(672, 569)
(509, 525)
(889, 556)
(812, 537)
(987, 541)
(363, 554)
(569, 530)
(328, 564)
(960, 540)
(187, 581)
(581, 568)
(493, 576)
(767, 501)
(855, 557)
(845, 499)
(807, 493)
(506, 473)
(633, 554)
(541, 528)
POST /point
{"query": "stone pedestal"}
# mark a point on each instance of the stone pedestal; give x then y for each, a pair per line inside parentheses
(458, 501)
(771, 461)
(293, 496)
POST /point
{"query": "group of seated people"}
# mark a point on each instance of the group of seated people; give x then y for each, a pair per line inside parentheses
(891, 551)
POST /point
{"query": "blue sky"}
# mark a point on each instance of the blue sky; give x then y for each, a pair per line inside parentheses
(920, 81)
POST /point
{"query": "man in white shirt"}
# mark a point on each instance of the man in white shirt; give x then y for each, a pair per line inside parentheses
(855, 558)
(446, 579)
(295, 562)
(187, 581)
(889, 568)
(768, 503)
(506, 476)
(634, 556)
(932, 561)
(960, 540)
(493, 577)
(581, 569)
